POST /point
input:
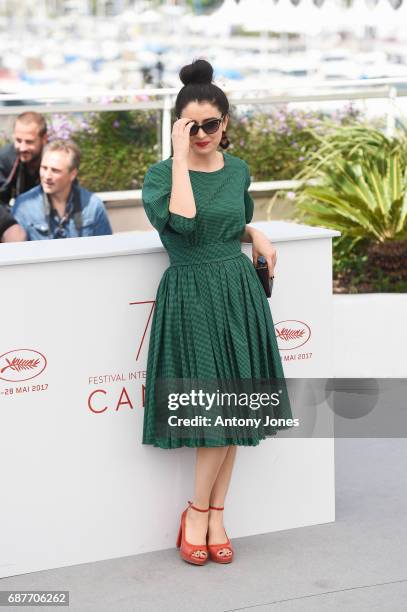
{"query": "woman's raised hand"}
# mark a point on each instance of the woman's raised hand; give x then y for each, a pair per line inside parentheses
(180, 138)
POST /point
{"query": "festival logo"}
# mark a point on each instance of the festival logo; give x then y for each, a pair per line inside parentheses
(21, 364)
(291, 334)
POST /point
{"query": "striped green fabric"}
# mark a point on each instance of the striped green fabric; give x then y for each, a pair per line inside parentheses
(212, 320)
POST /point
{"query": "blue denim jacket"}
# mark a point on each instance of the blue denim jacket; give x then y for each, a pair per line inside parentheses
(28, 210)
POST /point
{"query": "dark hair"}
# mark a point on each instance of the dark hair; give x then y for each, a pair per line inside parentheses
(198, 87)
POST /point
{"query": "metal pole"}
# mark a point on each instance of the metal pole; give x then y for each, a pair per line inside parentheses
(166, 128)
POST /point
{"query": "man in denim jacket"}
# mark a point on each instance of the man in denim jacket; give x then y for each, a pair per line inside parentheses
(60, 207)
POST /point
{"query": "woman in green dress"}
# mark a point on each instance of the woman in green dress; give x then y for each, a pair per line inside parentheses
(212, 321)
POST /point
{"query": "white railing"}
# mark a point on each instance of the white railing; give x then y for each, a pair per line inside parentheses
(163, 99)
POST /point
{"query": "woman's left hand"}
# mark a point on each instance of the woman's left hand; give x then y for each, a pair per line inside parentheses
(263, 246)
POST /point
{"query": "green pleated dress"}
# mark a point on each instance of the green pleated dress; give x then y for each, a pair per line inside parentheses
(212, 319)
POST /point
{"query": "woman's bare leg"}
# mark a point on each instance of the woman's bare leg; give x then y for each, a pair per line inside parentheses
(207, 466)
(216, 530)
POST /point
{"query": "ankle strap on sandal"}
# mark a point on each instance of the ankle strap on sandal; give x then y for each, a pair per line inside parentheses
(199, 509)
(215, 508)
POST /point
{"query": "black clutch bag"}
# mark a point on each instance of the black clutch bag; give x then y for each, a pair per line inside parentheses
(262, 270)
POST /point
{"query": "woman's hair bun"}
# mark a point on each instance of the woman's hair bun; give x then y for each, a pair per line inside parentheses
(200, 71)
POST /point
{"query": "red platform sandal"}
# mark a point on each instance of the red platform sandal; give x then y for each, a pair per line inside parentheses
(214, 549)
(186, 548)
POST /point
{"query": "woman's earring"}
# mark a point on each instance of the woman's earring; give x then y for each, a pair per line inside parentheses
(224, 141)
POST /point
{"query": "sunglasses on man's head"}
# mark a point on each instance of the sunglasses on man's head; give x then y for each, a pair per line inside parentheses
(209, 127)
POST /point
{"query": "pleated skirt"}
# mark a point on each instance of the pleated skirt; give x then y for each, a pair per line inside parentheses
(212, 327)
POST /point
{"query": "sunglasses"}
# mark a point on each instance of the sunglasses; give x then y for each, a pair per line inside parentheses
(209, 127)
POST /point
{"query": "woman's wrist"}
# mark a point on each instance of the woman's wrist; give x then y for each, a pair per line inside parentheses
(181, 162)
(182, 200)
(249, 234)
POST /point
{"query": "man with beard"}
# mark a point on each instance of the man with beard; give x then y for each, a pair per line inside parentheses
(20, 161)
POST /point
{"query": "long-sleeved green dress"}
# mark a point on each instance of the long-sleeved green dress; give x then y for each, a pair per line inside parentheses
(212, 329)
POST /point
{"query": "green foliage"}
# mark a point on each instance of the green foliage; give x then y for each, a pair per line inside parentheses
(116, 149)
(205, 5)
(362, 185)
(351, 271)
(276, 144)
(360, 189)
(352, 142)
